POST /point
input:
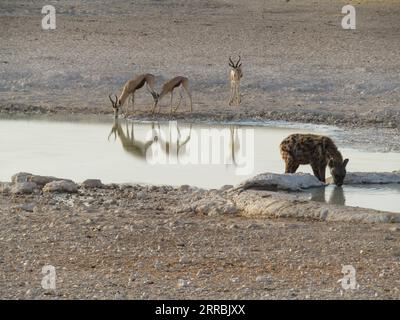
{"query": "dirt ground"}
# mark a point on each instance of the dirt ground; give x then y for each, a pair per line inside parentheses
(129, 242)
(298, 63)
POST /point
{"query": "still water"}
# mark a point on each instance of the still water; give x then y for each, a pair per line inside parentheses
(203, 155)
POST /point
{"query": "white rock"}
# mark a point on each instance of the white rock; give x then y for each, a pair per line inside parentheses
(264, 279)
(183, 283)
(275, 182)
(370, 178)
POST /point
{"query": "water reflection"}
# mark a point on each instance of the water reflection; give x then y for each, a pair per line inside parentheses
(336, 195)
(171, 142)
(134, 146)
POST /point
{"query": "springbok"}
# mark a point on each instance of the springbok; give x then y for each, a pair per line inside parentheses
(169, 87)
(130, 88)
(235, 75)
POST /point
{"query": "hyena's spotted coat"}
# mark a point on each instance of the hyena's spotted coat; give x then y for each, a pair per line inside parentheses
(318, 151)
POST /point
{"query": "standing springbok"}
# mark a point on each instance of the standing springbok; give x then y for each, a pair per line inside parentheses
(235, 75)
(130, 88)
(169, 87)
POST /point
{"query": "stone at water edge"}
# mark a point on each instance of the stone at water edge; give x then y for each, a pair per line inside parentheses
(370, 178)
(20, 177)
(41, 181)
(92, 183)
(274, 182)
(5, 187)
(24, 188)
(61, 186)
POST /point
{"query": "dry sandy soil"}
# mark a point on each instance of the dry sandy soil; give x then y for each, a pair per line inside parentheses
(299, 64)
(130, 242)
(137, 242)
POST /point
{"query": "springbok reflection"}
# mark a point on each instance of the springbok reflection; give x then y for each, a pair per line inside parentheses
(234, 145)
(336, 196)
(171, 143)
(136, 147)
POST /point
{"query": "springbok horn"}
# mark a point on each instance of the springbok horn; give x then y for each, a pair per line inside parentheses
(237, 62)
(116, 100)
(109, 96)
(231, 62)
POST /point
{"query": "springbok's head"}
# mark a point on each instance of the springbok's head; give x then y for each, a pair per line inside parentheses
(116, 105)
(236, 66)
(338, 170)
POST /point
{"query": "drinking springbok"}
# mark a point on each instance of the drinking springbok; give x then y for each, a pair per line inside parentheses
(130, 88)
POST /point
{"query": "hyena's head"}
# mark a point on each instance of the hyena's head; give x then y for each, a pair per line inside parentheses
(338, 170)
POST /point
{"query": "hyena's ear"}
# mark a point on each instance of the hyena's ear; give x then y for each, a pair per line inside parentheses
(345, 162)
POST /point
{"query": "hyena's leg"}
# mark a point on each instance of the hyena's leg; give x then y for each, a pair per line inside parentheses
(316, 169)
(291, 165)
(322, 170)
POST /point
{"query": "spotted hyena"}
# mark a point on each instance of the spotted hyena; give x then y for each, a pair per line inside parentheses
(318, 151)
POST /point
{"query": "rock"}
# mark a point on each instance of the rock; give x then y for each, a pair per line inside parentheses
(28, 207)
(183, 283)
(41, 181)
(264, 279)
(184, 188)
(92, 183)
(275, 182)
(226, 187)
(370, 178)
(61, 186)
(23, 188)
(184, 260)
(20, 177)
(212, 205)
(5, 187)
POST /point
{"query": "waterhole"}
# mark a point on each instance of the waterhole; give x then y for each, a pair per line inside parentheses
(174, 153)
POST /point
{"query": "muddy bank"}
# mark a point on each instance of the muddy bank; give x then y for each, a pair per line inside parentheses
(378, 120)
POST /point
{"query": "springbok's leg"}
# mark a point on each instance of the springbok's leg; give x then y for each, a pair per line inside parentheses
(185, 85)
(232, 93)
(133, 103)
(172, 96)
(180, 99)
(238, 93)
(150, 88)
